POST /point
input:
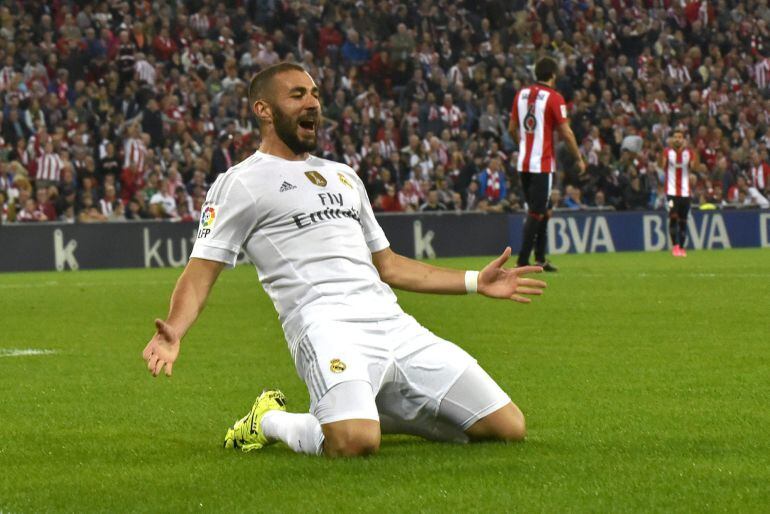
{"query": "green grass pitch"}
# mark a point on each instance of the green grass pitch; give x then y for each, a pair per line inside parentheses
(644, 380)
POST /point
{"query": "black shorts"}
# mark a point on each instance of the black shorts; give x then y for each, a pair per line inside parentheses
(679, 206)
(537, 191)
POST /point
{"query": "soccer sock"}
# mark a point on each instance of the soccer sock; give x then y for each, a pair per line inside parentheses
(301, 432)
(541, 239)
(672, 230)
(528, 237)
(682, 233)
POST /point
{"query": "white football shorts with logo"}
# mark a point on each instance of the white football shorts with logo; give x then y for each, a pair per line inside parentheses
(409, 369)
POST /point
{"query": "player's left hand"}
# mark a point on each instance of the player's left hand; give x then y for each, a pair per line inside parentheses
(508, 283)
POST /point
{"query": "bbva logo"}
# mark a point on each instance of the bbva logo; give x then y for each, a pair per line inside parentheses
(708, 232)
(566, 235)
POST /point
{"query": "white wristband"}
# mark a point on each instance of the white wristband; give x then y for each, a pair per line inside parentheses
(471, 281)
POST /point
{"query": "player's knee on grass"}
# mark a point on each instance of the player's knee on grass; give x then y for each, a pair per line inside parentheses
(505, 424)
(351, 438)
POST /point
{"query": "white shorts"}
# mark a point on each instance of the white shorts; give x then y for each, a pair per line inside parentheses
(409, 371)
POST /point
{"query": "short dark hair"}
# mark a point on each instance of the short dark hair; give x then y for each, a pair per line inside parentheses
(260, 83)
(546, 69)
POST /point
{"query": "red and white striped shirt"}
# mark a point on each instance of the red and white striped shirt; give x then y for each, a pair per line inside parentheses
(387, 147)
(679, 74)
(49, 167)
(662, 107)
(762, 73)
(677, 167)
(452, 118)
(135, 152)
(760, 176)
(538, 110)
(200, 23)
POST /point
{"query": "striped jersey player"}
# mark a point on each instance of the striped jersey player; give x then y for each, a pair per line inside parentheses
(307, 225)
(537, 111)
(676, 161)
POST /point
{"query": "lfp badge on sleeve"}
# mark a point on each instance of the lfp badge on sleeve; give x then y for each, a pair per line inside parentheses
(208, 216)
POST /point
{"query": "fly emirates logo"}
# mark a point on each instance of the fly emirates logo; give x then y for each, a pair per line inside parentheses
(332, 209)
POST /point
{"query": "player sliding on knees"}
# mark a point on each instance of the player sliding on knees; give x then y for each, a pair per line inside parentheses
(307, 225)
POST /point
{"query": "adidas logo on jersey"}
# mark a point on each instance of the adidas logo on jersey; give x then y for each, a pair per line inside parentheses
(286, 187)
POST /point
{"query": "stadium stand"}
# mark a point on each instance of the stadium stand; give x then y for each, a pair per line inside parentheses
(118, 110)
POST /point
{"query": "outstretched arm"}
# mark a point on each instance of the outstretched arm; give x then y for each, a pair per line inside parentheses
(493, 281)
(187, 301)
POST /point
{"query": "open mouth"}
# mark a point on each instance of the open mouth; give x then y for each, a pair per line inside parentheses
(309, 125)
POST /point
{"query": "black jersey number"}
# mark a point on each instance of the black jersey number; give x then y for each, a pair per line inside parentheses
(530, 122)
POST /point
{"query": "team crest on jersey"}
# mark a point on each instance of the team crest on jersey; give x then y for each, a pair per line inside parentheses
(316, 178)
(337, 366)
(344, 180)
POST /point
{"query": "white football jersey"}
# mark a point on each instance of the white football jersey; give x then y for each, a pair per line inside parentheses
(309, 229)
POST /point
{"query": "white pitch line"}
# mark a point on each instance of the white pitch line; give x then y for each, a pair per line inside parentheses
(33, 284)
(23, 352)
(54, 283)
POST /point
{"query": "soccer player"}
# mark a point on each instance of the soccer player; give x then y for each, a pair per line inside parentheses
(537, 111)
(307, 225)
(676, 161)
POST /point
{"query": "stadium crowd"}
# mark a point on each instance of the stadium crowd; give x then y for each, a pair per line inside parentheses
(117, 110)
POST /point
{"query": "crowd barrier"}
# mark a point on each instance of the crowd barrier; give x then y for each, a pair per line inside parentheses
(54, 246)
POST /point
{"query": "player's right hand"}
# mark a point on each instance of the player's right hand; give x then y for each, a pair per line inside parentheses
(162, 350)
(581, 167)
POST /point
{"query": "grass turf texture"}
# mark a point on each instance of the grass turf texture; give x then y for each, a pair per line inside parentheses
(644, 380)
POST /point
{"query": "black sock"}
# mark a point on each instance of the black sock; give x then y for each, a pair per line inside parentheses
(672, 229)
(682, 233)
(541, 241)
(528, 239)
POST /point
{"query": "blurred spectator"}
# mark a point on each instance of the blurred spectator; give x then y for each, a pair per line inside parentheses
(492, 181)
(431, 203)
(89, 212)
(109, 204)
(222, 159)
(44, 203)
(163, 203)
(30, 212)
(67, 200)
(572, 199)
(408, 198)
(472, 196)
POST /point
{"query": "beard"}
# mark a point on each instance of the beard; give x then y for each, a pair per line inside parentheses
(286, 129)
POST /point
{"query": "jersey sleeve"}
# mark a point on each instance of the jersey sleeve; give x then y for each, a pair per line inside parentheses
(558, 109)
(373, 233)
(227, 218)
